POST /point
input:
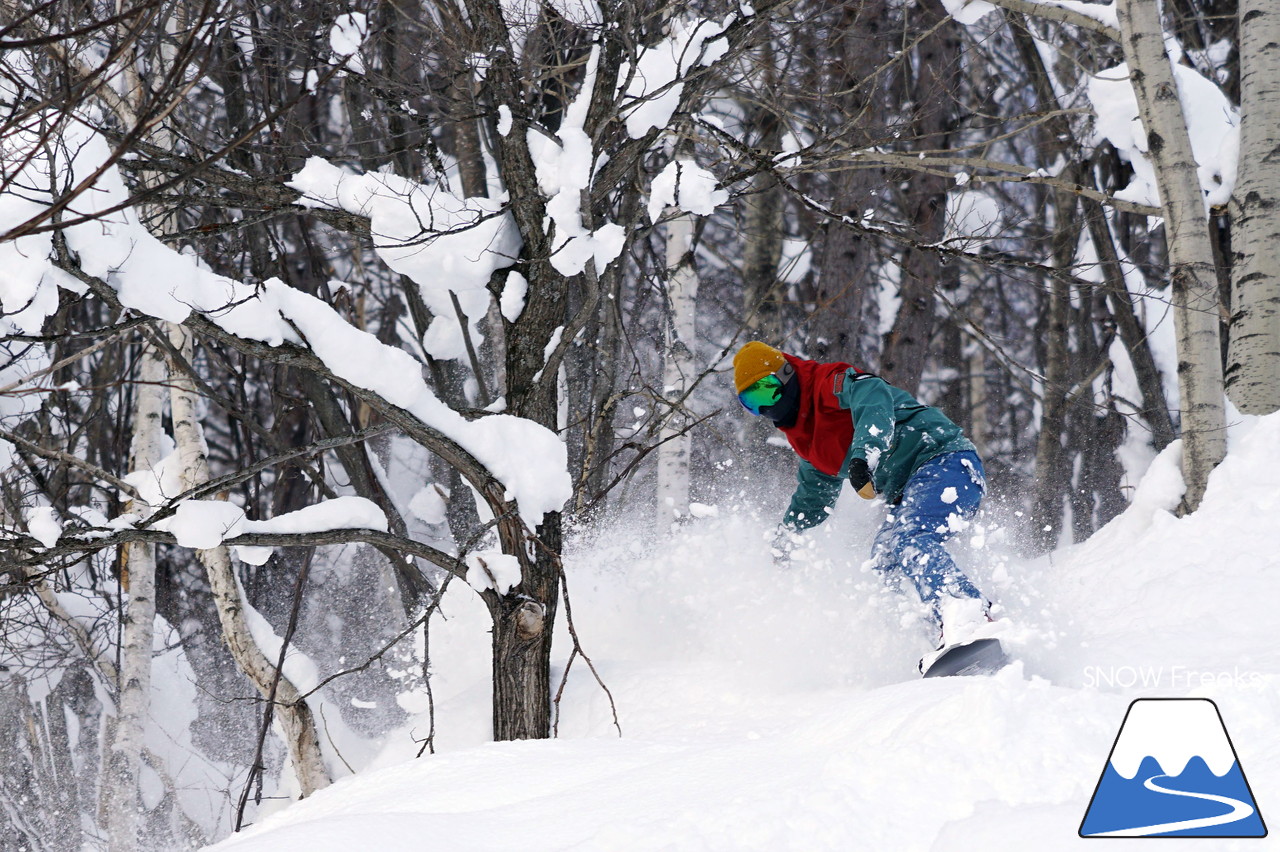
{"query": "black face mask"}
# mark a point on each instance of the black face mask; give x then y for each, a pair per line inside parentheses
(783, 413)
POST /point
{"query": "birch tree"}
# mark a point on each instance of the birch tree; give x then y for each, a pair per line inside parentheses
(1253, 359)
(679, 365)
(298, 722)
(123, 759)
(1192, 269)
(1192, 273)
(121, 794)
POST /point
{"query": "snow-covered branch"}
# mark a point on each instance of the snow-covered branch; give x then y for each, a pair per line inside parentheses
(1095, 17)
(28, 552)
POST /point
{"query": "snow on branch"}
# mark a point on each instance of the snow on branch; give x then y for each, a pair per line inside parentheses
(444, 243)
(656, 83)
(76, 545)
(112, 252)
(205, 524)
(564, 171)
(685, 185)
(1213, 124)
(1096, 17)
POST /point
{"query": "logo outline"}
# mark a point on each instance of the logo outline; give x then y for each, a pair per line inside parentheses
(1257, 810)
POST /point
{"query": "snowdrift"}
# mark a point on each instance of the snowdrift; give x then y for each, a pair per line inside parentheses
(779, 710)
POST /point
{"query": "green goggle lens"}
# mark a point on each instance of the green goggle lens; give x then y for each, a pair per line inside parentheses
(762, 394)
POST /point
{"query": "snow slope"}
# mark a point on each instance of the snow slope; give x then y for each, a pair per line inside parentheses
(778, 710)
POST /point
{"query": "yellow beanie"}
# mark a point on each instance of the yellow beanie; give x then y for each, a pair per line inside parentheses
(753, 362)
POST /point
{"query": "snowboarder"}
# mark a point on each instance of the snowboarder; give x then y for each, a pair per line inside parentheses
(848, 424)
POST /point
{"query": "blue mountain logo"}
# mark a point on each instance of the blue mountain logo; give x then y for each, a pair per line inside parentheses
(1173, 772)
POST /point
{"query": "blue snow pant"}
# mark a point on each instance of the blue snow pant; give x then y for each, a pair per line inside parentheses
(909, 545)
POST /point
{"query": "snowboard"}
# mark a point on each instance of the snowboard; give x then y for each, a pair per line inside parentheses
(979, 657)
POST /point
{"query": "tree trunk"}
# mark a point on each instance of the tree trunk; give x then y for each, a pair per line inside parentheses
(937, 69)
(523, 617)
(836, 326)
(1196, 308)
(120, 802)
(1253, 371)
(295, 716)
(1155, 407)
(762, 225)
(522, 632)
(677, 367)
(599, 437)
(980, 406)
(1052, 473)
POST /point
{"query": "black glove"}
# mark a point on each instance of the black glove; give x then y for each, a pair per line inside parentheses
(860, 479)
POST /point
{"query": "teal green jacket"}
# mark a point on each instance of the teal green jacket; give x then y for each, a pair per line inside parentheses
(892, 431)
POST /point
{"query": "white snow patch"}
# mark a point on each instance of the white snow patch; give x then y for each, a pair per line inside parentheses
(514, 292)
(428, 506)
(492, 569)
(1212, 122)
(968, 12)
(685, 185)
(703, 510)
(656, 83)
(445, 243)
(340, 513)
(973, 218)
(346, 37)
(203, 524)
(1103, 13)
(564, 170)
(796, 260)
(43, 525)
(252, 554)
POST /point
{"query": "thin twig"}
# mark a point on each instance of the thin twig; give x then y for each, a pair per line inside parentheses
(68, 458)
(257, 768)
(577, 644)
(70, 359)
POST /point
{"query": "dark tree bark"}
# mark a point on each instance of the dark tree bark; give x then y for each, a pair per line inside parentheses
(762, 225)
(1155, 408)
(937, 77)
(861, 45)
(1053, 472)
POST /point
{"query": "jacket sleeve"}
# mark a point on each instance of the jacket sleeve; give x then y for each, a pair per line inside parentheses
(815, 493)
(870, 404)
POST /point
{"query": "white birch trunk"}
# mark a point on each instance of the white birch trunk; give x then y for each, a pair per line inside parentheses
(978, 428)
(292, 711)
(678, 367)
(1253, 359)
(1191, 263)
(119, 799)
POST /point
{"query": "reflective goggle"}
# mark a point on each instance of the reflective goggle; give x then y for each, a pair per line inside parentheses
(762, 394)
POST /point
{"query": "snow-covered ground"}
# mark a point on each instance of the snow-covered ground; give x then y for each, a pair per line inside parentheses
(779, 710)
